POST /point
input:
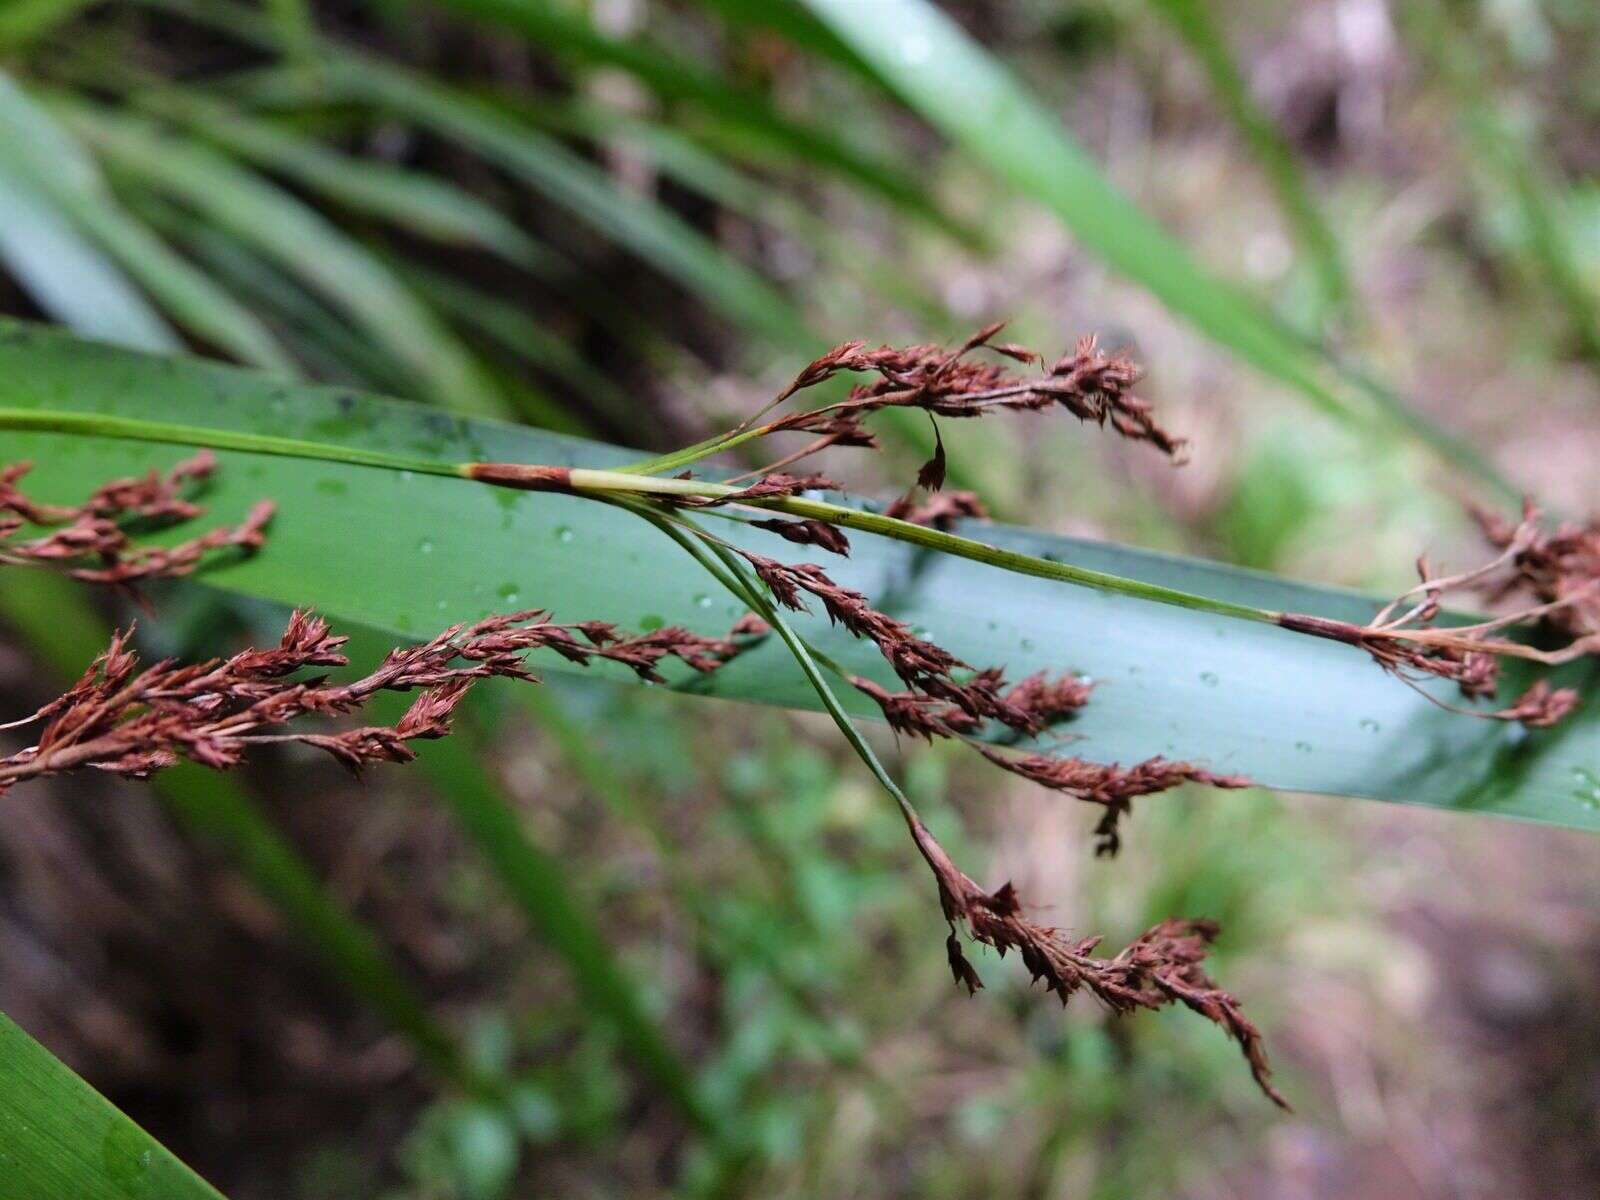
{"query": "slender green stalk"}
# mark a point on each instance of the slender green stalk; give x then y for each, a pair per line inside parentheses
(724, 566)
(1192, 19)
(596, 483)
(166, 433)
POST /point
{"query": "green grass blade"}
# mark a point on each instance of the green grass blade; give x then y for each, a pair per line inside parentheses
(69, 277)
(62, 1138)
(422, 204)
(23, 22)
(1509, 162)
(1288, 711)
(248, 207)
(1193, 22)
(750, 114)
(953, 82)
(656, 235)
(37, 150)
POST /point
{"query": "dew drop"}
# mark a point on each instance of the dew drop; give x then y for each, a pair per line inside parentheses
(702, 601)
(407, 476)
(564, 534)
(651, 621)
(1027, 643)
(1587, 793)
(1209, 678)
(1370, 725)
(425, 546)
(508, 593)
(1303, 747)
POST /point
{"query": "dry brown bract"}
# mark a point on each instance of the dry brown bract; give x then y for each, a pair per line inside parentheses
(1162, 966)
(133, 723)
(94, 542)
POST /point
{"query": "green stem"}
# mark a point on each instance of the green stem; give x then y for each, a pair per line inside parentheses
(733, 575)
(583, 481)
(137, 429)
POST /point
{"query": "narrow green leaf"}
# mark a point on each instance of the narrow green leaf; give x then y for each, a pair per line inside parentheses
(250, 208)
(1193, 22)
(655, 234)
(69, 277)
(416, 552)
(420, 203)
(25, 21)
(59, 1137)
(1510, 163)
(36, 150)
(574, 36)
(953, 82)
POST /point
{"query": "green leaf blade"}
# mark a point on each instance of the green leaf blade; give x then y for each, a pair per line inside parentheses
(60, 1137)
(418, 552)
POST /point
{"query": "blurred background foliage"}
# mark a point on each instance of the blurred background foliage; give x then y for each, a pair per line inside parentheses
(617, 942)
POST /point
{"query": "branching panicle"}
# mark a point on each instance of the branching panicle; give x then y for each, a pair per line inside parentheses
(1092, 386)
(1163, 966)
(133, 723)
(1552, 577)
(94, 541)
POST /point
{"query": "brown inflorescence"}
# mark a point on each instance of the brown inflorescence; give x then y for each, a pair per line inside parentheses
(1163, 966)
(948, 699)
(131, 722)
(94, 541)
(1553, 578)
(939, 511)
(947, 383)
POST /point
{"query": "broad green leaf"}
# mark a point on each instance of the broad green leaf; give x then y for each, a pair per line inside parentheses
(954, 83)
(574, 36)
(415, 553)
(69, 277)
(37, 151)
(238, 200)
(59, 1137)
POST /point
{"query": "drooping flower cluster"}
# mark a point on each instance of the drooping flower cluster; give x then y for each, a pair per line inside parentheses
(95, 541)
(1162, 966)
